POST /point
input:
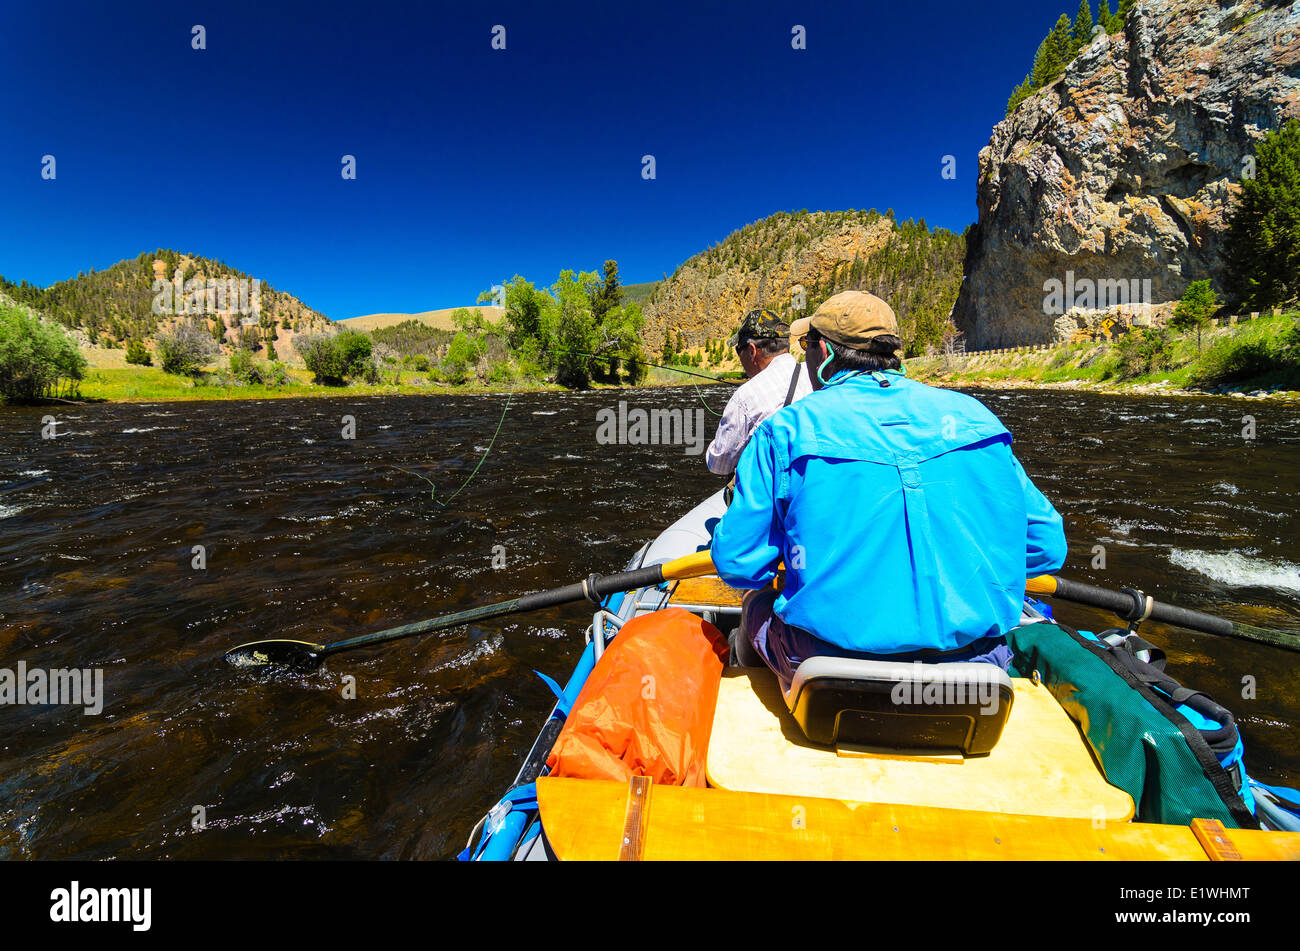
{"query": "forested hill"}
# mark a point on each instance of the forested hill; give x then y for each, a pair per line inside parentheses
(122, 303)
(916, 269)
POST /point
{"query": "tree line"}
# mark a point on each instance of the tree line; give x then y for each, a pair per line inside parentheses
(1063, 43)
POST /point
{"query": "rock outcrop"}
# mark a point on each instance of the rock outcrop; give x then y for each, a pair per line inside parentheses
(766, 264)
(1120, 175)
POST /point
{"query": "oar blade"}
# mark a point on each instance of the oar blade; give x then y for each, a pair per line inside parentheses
(284, 654)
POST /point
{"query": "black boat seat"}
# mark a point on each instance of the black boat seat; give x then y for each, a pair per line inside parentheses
(901, 707)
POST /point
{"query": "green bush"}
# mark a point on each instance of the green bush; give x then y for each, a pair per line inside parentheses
(138, 355)
(1142, 352)
(37, 360)
(243, 369)
(1243, 357)
(334, 358)
(462, 354)
(185, 350)
(275, 374)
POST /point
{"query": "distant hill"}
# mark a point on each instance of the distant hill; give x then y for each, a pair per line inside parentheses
(916, 269)
(441, 319)
(105, 309)
(639, 293)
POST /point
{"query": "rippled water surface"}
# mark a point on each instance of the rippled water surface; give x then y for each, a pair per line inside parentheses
(313, 536)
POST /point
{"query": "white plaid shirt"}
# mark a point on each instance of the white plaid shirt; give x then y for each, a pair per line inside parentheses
(753, 402)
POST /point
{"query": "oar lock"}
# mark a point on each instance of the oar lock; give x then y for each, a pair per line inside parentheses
(1143, 604)
(589, 588)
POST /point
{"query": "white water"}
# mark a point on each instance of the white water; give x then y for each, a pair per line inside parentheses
(1235, 568)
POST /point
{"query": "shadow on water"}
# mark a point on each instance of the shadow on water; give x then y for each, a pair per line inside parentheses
(395, 752)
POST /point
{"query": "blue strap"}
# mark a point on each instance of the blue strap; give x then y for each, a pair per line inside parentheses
(563, 704)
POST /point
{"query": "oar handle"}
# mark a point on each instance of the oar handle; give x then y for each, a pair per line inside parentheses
(1132, 605)
(1129, 606)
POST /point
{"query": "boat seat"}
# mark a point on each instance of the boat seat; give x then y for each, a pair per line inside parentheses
(904, 707)
(1041, 766)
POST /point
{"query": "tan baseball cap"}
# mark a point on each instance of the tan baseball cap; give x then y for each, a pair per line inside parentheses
(852, 318)
(798, 329)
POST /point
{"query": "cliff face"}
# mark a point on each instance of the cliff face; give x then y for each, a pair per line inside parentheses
(761, 265)
(1125, 168)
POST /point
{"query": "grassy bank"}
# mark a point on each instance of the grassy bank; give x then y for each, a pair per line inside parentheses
(1262, 355)
(150, 385)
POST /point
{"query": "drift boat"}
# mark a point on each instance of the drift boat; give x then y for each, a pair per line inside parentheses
(1087, 750)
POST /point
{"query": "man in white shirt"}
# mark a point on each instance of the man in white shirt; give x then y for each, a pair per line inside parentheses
(775, 380)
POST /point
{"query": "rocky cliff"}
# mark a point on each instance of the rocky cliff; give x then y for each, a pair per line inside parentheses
(766, 263)
(1118, 177)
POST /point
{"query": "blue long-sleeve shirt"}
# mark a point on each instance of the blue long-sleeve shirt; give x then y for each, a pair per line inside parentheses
(903, 518)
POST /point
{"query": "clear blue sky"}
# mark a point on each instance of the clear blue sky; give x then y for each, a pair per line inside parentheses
(474, 164)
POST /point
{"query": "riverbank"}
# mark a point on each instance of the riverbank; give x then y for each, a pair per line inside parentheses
(152, 385)
(1259, 359)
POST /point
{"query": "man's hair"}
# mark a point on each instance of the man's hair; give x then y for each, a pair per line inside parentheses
(772, 346)
(879, 354)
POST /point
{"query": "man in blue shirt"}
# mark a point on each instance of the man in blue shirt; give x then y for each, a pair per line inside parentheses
(906, 525)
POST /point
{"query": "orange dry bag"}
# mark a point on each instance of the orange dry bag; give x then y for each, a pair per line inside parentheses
(647, 706)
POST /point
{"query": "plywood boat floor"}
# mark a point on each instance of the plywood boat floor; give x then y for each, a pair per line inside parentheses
(1040, 767)
(710, 591)
(584, 820)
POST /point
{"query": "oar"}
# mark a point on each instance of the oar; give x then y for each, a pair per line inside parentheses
(304, 655)
(1131, 604)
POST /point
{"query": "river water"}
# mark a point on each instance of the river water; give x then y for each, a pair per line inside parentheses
(395, 752)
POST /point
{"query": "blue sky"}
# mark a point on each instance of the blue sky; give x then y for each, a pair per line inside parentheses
(474, 164)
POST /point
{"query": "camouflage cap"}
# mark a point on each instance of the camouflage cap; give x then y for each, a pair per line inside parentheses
(852, 318)
(759, 325)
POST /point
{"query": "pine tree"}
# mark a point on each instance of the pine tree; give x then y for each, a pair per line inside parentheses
(608, 294)
(1082, 26)
(1105, 17)
(1195, 309)
(1263, 240)
(1047, 64)
(1062, 44)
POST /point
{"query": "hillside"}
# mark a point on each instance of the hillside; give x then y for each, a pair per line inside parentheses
(763, 265)
(105, 309)
(639, 293)
(1118, 176)
(440, 319)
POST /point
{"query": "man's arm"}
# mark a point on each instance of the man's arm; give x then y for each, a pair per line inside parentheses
(1045, 549)
(730, 439)
(747, 542)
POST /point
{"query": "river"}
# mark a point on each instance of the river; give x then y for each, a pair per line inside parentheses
(146, 539)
